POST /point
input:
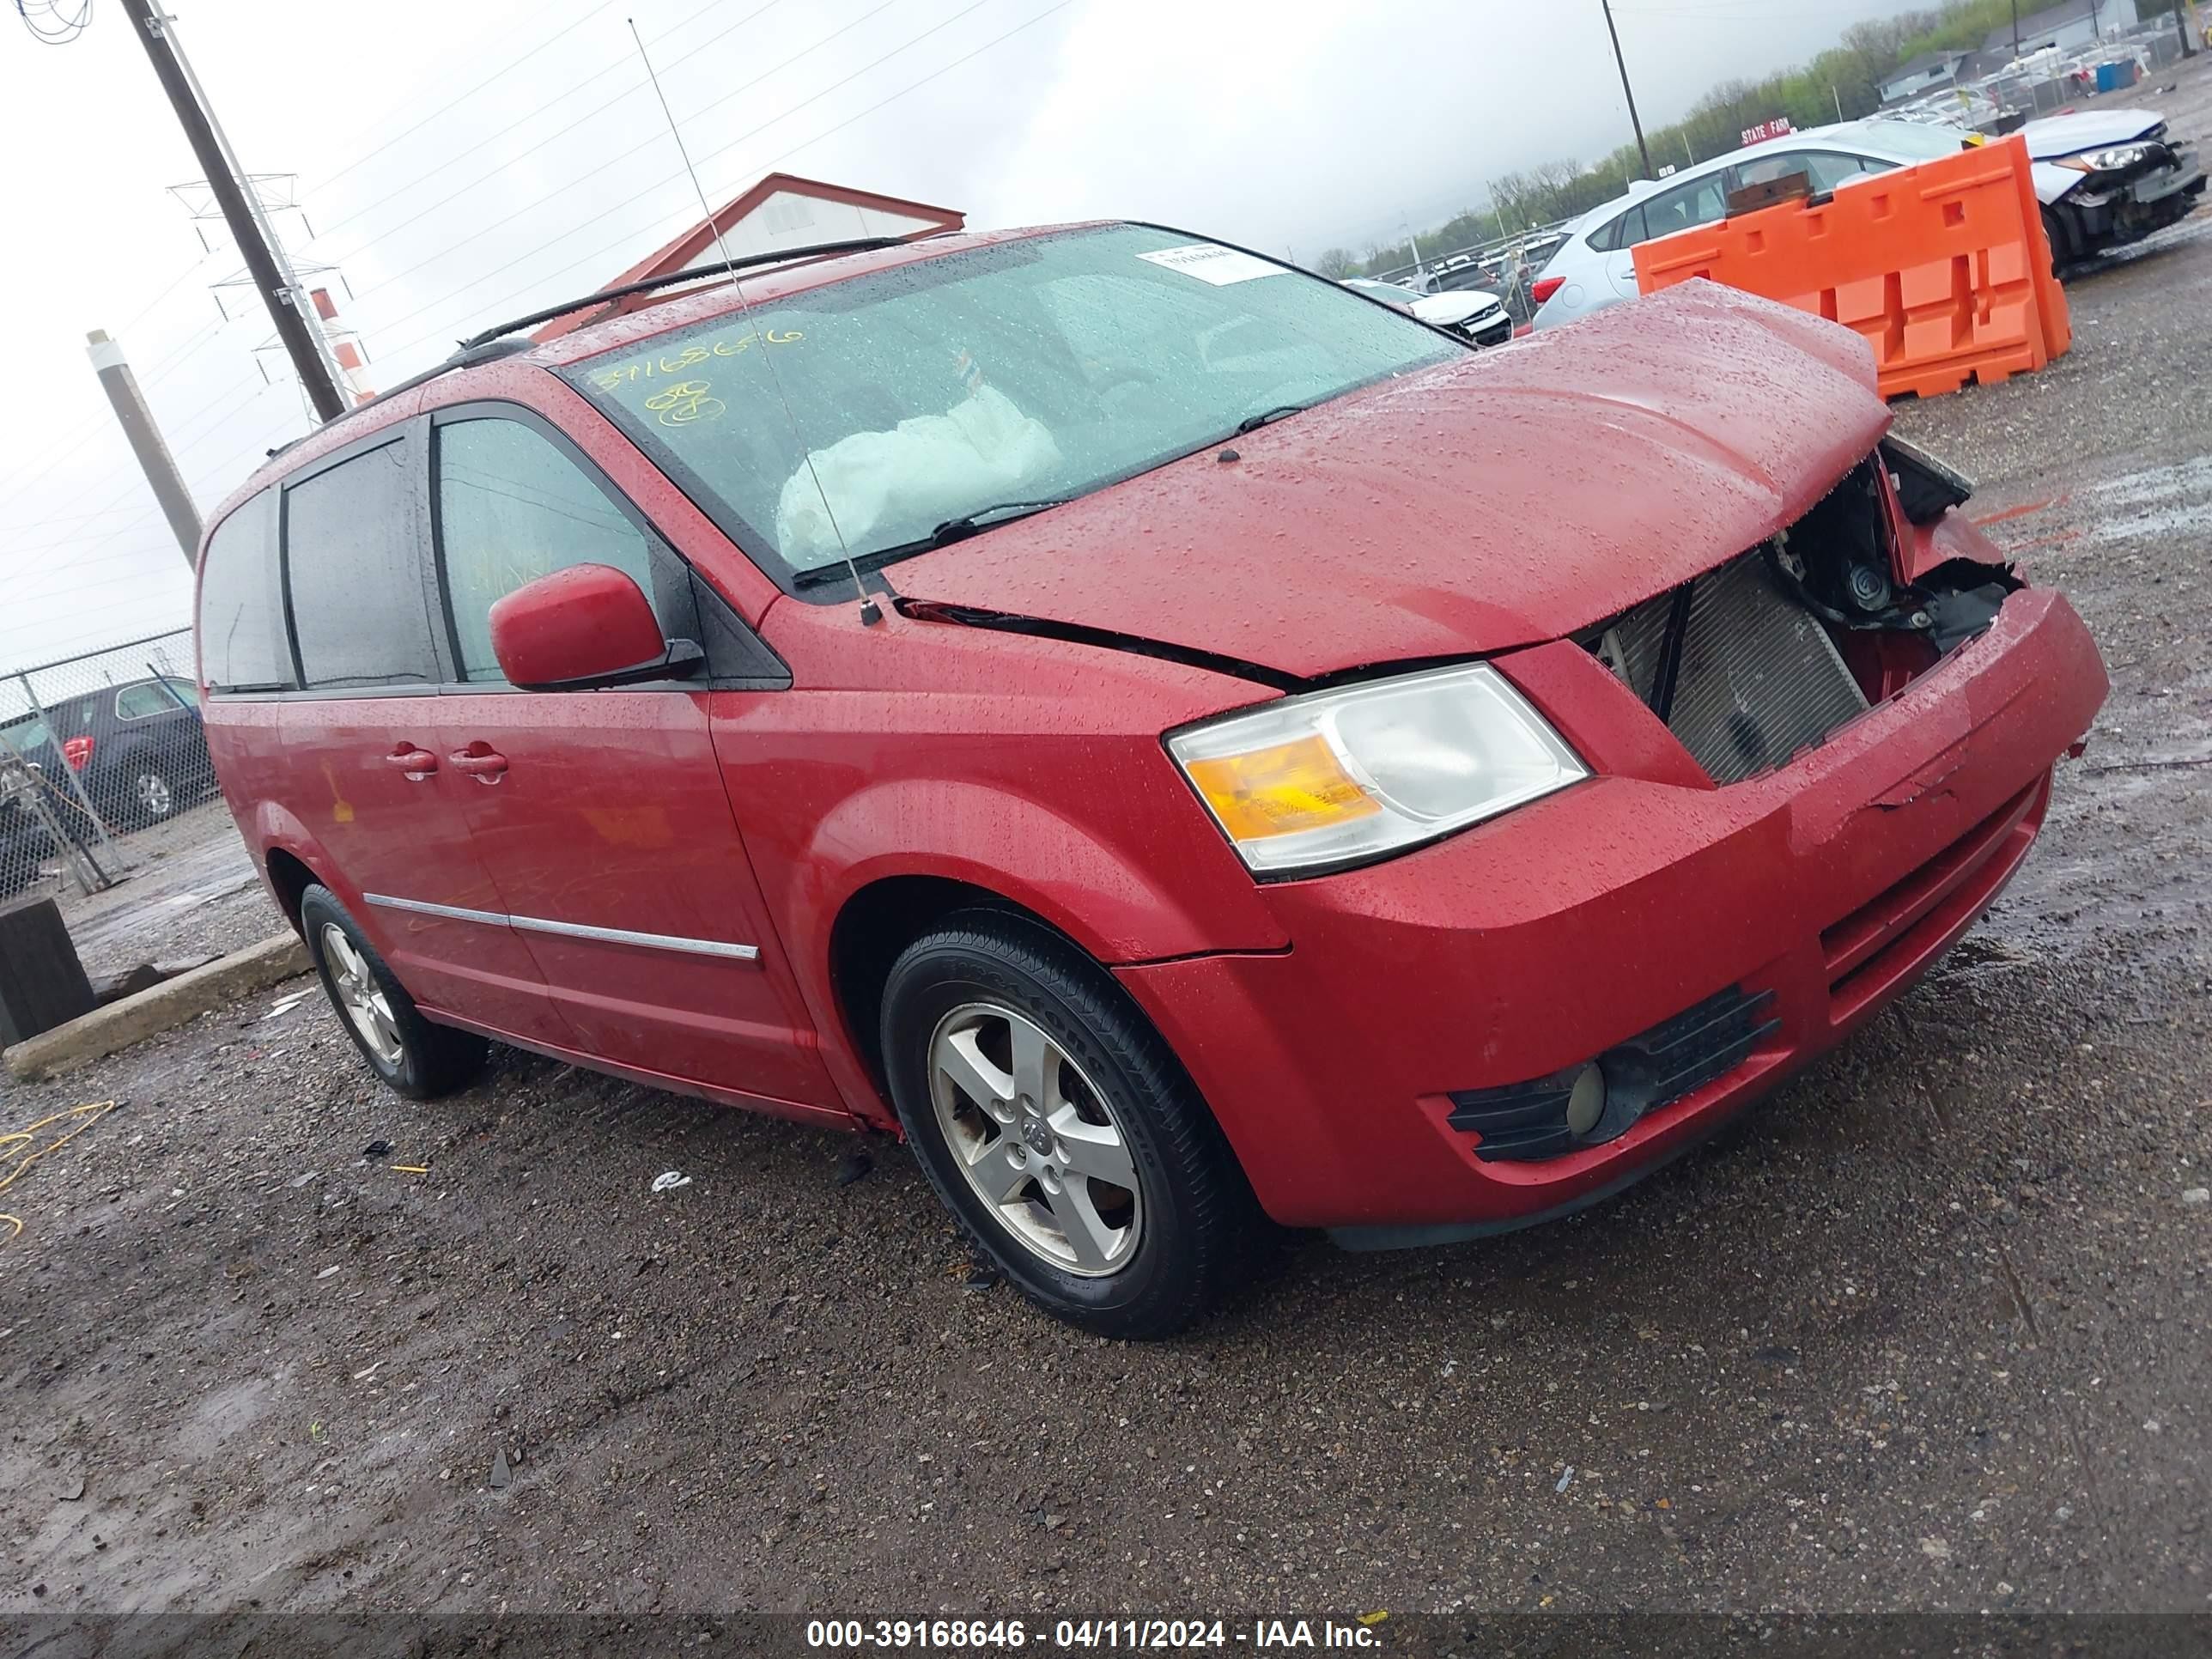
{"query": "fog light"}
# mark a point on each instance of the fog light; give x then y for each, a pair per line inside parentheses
(1586, 1105)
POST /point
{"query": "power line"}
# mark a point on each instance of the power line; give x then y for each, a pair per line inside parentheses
(171, 432)
(181, 449)
(48, 588)
(64, 518)
(581, 19)
(486, 138)
(49, 25)
(626, 238)
(35, 468)
(647, 142)
(34, 10)
(146, 310)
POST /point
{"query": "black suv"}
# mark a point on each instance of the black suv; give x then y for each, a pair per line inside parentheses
(137, 748)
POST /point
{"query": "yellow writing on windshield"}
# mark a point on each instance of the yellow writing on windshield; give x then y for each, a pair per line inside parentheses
(618, 375)
(685, 402)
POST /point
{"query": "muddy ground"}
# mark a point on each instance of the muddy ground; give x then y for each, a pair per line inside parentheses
(1929, 1330)
(189, 891)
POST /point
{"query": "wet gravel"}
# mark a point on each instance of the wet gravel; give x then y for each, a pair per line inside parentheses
(1927, 1330)
(188, 892)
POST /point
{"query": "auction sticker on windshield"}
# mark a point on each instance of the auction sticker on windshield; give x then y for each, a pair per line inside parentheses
(1212, 262)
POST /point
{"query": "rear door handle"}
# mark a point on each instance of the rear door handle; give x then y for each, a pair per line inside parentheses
(484, 764)
(417, 762)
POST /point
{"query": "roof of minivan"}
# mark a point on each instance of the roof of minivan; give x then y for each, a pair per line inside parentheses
(719, 296)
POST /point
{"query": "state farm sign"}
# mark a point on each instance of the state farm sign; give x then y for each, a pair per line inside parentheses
(1779, 127)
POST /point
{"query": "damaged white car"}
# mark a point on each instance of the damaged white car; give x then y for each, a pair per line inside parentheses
(2105, 179)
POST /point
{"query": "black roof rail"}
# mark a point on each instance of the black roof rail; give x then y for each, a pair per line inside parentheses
(689, 273)
(466, 357)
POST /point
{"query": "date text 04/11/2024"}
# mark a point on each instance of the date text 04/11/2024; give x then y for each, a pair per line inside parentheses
(1159, 1634)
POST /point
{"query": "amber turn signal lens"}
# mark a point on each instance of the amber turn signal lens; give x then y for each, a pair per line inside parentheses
(1280, 791)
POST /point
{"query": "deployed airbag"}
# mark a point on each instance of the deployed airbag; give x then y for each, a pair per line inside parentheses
(879, 487)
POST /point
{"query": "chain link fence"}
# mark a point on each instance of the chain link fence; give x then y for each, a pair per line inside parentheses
(94, 750)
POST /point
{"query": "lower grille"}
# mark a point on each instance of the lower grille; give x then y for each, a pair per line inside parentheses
(1758, 678)
(1522, 1122)
(1867, 950)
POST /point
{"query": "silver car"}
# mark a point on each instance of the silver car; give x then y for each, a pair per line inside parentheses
(2104, 178)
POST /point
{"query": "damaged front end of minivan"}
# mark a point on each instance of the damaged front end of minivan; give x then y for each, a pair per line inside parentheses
(1770, 653)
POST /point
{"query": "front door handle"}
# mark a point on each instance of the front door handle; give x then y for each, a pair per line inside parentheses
(419, 764)
(480, 761)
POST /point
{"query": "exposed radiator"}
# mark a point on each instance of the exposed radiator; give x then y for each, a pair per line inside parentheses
(1758, 677)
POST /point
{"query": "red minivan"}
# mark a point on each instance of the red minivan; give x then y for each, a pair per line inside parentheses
(1187, 746)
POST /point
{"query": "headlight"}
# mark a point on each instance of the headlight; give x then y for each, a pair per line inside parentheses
(1336, 777)
(2106, 160)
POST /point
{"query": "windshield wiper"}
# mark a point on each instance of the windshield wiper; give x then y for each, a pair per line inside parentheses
(951, 531)
(968, 523)
(1268, 416)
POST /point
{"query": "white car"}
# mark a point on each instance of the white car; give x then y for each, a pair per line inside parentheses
(1478, 318)
(2105, 179)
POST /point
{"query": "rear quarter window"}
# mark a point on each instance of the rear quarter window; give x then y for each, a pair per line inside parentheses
(137, 702)
(1624, 231)
(353, 555)
(241, 624)
(1700, 202)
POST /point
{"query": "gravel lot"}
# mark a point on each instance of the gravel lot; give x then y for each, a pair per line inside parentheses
(1929, 1330)
(191, 892)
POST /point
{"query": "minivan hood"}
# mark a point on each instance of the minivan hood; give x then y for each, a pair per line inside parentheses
(2069, 135)
(1505, 498)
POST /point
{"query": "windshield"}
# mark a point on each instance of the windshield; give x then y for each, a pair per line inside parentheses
(862, 416)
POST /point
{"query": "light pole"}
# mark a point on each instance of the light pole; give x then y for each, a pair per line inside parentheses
(1628, 92)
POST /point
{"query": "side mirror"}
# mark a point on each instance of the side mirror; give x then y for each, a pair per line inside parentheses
(587, 626)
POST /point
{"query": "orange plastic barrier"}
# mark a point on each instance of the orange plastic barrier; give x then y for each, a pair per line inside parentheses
(1943, 268)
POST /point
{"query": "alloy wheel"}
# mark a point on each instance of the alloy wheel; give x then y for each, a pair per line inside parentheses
(1036, 1141)
(155, 798)
(359, 995)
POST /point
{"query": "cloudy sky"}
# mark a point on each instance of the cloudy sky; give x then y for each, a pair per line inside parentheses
(460, 161)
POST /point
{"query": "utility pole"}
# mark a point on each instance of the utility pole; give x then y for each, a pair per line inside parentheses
(2015, 31)
(1628, 92)
(249, 228)
(146, 442)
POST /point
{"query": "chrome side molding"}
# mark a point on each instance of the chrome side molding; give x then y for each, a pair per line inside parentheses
(696, 947)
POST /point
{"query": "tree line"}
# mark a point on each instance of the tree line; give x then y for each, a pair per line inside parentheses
(1842, 83)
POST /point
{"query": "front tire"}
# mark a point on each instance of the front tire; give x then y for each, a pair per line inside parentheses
(2060, 235)
(1058, 1129)
(418, 1059)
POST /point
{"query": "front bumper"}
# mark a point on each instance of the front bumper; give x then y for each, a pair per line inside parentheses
(1492, 330)
(2109, 211)
(1534, 943)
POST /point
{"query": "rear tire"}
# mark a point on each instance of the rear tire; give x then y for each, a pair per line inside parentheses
(1057, 1127)
(149, 794)
(418, 1059)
